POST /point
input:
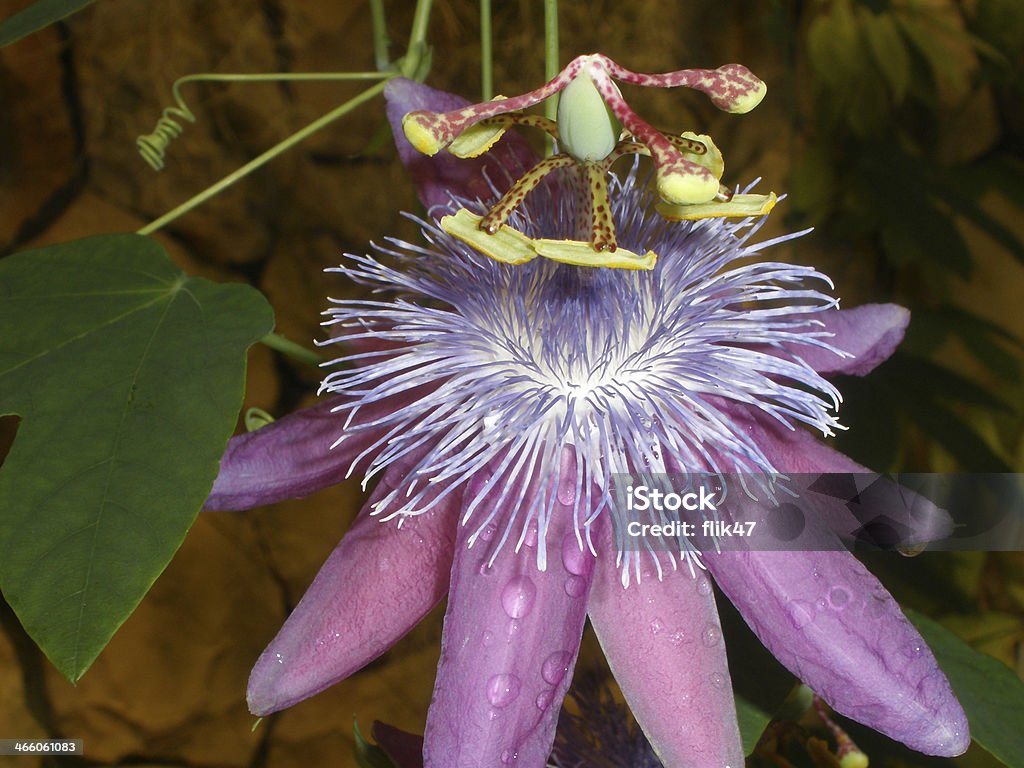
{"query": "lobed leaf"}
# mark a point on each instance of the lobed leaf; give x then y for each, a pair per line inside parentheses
(128, 376)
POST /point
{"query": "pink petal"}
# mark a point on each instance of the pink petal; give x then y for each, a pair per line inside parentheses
(869, 334)
(376, 585)
(292, 457)
(436, 177)
(829, 621)
(511, 636)
(664, 645)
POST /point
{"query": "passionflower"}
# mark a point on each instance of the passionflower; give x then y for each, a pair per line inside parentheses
(494, 402)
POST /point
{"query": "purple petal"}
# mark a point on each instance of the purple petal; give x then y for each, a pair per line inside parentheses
(664, 645)
(376, 585)
(793, 451)
(831, 623)
(292, 457)
(870, 334)
(511, 636)
(436, 177)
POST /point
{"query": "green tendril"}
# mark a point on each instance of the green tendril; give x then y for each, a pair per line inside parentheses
(153, 146)
(265, 158)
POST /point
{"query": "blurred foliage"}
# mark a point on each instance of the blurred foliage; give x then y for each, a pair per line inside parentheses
(907, 128)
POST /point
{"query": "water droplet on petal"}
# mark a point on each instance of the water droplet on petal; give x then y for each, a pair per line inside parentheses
(544, 699)
(492, 714)
(710, 635)
(800, 613)
(489, 531)
(530, 539)
(839, 597)
(717, 680)
(512, 629)
(508, 756)
(657, 625)
(913, 651)
(574, 559)
(677, 638)
(517, 597)
(555, 666)
(503, 689)
(703, 586)
(575, 586)
(487, 637)
(486, 570)
(567, 490)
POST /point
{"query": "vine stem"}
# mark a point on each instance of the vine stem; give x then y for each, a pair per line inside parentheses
(420, 20)
(486, 52)
(288, 347)
(551, 59)
(380, 35)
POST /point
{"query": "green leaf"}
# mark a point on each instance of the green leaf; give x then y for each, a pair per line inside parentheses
(128, 376)
(889, 50)
(989, 692)
(753, 720)
(37, 16)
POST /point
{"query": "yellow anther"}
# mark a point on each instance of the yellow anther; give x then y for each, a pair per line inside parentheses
(740, 206)
(683, 188)
(421, 134)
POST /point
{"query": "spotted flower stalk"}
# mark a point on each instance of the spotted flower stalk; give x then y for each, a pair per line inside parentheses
(494, 402)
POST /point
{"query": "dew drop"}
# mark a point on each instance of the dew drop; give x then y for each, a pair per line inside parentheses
(492, 714)
(838, 597)
(508, 756)
(489, 531)
(913, 651)
(567, 490)
(487, 637)
(517, 597)
(573, 558)
(703, 586)
(512, 629)
(544, 699)
(710, 635)
(717, 680)
(555, 666)
(575, 586)
(486, 570)
(677, 638)
(530, 539)
(800, 613)
(502, 689)
(657, 625)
